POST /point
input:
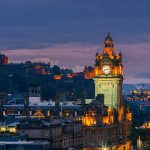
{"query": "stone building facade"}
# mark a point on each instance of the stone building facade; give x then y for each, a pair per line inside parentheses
(61, 134)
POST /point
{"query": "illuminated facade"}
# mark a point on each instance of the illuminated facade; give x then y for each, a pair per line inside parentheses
(105, 127)
(106, 122)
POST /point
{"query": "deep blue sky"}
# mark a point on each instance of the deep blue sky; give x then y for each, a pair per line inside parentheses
(69, 32)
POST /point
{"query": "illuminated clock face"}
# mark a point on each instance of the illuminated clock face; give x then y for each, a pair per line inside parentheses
(106, 69)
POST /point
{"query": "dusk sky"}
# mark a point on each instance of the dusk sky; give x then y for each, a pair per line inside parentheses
(70, 32)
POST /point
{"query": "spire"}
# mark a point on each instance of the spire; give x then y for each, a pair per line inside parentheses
(108, 45)
(108, 41)
(108, 38)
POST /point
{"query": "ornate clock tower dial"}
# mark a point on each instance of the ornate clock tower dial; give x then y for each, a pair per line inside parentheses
(108, 74)
(106, 69)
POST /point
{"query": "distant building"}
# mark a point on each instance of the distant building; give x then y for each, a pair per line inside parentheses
(139, 102)
(142, 94)
(88, 72)
(3, 59)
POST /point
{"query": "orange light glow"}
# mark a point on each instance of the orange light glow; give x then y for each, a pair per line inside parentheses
(89, 74)
(38, 67)
(108, 120)
(109, 50)
(57, 77)
(97, 71)
(88, 121)
(38, 114)
(129, 117)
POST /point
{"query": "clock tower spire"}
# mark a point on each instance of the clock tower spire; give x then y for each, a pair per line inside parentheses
(108, 45)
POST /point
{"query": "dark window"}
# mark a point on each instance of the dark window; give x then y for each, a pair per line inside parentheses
(107, 45)
(93, 132)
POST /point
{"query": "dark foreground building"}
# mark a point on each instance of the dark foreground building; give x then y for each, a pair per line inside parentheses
(61, 133)
(24, 146)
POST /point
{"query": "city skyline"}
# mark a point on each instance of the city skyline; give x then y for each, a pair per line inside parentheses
(53, 31)
(74, 74)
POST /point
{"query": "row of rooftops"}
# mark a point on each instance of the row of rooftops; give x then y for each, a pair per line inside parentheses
(46, 104)
(14, 120)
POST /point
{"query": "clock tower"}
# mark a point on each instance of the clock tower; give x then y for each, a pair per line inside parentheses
(108, 74)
